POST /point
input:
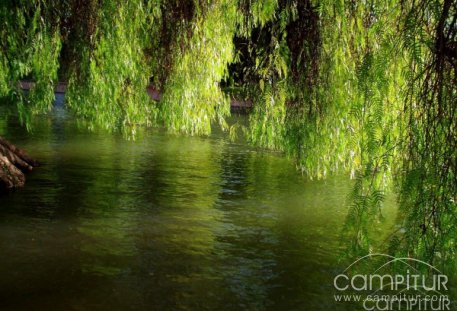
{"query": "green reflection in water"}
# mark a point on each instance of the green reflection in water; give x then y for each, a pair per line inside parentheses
(177, 223)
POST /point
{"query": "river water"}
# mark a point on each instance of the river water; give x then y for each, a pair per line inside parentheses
(165, 223)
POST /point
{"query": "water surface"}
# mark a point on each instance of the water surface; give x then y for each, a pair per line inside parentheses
(165, 223)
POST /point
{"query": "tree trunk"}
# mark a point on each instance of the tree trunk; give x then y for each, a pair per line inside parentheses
(14, 162)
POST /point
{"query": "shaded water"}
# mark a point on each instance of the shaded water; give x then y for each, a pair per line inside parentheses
(165, 223)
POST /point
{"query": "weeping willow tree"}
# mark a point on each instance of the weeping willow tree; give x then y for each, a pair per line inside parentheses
(30, 47)
(113, 71)
(428, 182)
(405, 126)
(192, 97)
(375, 97)
(362, 87)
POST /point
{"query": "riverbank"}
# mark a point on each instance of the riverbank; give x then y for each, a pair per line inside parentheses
(236, 105)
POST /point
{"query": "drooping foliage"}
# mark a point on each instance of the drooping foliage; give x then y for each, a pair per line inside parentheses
(362, 87)
(428, 196)
(379, 103)
(360, 132)
(192, 98)
(113, 71)
(30, 47)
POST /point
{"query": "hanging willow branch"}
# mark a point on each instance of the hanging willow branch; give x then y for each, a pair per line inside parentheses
(429, 188)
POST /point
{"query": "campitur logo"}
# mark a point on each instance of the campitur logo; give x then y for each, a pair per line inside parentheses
(408, 289)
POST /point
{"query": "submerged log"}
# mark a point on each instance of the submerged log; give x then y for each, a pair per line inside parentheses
(14, 162)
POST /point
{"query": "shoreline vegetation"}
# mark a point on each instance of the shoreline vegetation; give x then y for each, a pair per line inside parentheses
(236, 105)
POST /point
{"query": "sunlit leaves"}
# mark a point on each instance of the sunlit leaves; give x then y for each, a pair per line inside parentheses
(429, 188)
(268, 118)
(192, 97)
(45, 63)
(30, 48)
(109, 87)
